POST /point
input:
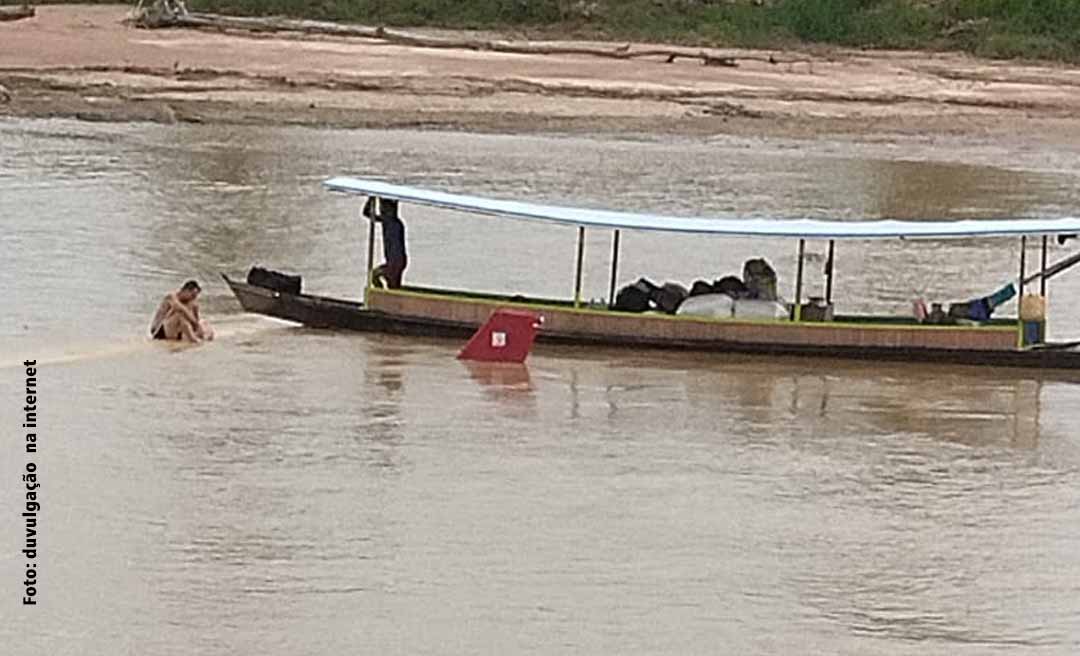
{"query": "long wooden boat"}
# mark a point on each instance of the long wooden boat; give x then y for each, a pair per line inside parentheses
(427, 311)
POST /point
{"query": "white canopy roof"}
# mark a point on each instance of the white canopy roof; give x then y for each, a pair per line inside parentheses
(797, 228)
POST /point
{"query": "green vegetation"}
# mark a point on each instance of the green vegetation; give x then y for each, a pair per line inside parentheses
(1044, 29)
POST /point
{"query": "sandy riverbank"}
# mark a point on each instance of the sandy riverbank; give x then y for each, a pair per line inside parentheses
(82, 61)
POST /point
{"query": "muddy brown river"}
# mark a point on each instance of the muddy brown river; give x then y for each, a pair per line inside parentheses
(289, 491)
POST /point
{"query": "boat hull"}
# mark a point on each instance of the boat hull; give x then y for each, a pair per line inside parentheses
(446, 315)
(335, 314)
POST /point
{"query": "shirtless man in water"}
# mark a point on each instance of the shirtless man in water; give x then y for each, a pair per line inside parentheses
(177, 318)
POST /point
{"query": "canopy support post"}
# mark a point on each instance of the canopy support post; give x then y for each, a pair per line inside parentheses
(369, 265)
(614, 267)
(1042, 277)
(580, 262)
(797, 313)
(1020, 298)
(829, 272)
(1023, 263)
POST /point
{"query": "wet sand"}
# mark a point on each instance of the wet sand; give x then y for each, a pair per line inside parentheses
(83, 62)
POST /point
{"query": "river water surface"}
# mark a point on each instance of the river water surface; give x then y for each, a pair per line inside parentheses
(288, 491)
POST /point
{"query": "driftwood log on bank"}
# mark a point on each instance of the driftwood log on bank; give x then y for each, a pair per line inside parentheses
(275, 25)
(16, 13)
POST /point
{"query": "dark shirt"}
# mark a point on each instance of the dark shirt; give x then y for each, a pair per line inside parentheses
(393, 237)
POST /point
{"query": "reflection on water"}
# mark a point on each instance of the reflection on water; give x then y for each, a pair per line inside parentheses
(508, 384)
(962, 405)
(287, 491)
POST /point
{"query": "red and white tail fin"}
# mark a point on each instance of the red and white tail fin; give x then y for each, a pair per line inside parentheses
(507, 336)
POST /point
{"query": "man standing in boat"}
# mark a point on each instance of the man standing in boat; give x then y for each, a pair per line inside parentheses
(389, 273)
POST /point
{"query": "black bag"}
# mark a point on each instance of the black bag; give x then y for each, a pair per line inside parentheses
(669, 297)
(634, 297)
(275, 280)
(731, 286)
(701, 287)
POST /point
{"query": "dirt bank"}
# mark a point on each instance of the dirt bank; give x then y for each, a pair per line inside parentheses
(81, 61)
